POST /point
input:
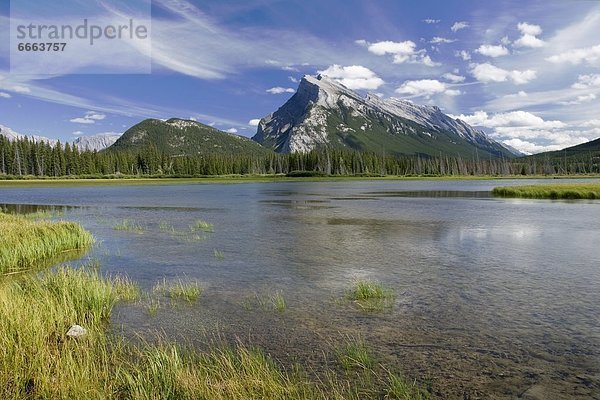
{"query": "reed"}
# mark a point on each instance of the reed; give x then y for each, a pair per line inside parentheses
(370, 295)
(27, 242)
(572, 191)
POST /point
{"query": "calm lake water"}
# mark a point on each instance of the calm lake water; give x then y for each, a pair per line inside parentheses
(495, 298)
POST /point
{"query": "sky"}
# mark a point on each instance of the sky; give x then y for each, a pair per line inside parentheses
(526, 72)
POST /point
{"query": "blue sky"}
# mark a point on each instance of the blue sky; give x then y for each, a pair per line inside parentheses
(527, 72)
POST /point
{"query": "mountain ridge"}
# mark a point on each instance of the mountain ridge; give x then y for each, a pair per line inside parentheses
(324, 112)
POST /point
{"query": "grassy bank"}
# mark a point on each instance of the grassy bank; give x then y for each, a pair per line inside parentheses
(230, 179)
(40, 360)
(26, 242)
(551, 191)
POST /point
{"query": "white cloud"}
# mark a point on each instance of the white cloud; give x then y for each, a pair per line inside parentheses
(585, 98)
(509, 119)
(354, 76)
(20, 89)
(361, 42)
(438, 40)
(432, 21)
(5, 95)
(463, 54)
(231, 130)
(529, 37)
(426, 87)
(293, 79)
(492, 51)
(254, 122)
(453, 77)
(591, 123)
(77, 133)
(577, 56)
(280, 90)
(459, 25)
(528, 132)
(89, 118)
(521, 93)
(529, 29)
(403, 52)
(489, 73)
(587, 81)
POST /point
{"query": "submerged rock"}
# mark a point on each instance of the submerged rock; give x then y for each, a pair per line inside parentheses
(76, 331)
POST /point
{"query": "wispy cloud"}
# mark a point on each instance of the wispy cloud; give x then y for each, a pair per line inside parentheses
(280, 90)
(457, 26)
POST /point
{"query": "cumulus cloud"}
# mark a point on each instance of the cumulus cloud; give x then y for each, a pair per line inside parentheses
(280, 90)
(509, 119)
(438, 40)
(254, 122)
(453, 77)
(354, 76)
(89, 118)
(231, 130)
(5, 95)
(459, 25)
(587, 81)
(465, 55)
(529, 35)
(490, 73)
(426, 87)
(589, 55)
(492, 50)
(77, 133)
(402, 52)
(528, 132)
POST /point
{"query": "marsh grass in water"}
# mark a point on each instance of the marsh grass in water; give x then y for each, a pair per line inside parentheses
(370, 295)
(201, 225)
(27, 243)
(354, 354)
(219, 255)
(266, 302)
(573, 191)
(129, 225)
(189, 291)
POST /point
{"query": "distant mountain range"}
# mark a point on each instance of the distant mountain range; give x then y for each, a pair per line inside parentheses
(321, 114)
(97, 142)
(325, 113)
(180, 137)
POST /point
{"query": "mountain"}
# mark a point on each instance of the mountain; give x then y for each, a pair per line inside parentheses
(178, 137)
(12, 135)
(324, 112)
(584, 152)
(98, 142)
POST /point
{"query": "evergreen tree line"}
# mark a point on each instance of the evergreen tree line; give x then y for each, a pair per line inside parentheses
(23, 157)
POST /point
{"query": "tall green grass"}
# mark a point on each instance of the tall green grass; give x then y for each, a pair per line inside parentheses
(370, 295)
(551, 191)
(26, 242)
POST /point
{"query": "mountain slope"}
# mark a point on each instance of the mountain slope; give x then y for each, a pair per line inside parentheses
(584, 152)
(97, 142)
(326, 113)
(178, 137)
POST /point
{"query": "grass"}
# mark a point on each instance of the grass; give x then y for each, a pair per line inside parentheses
(201, 225)
(25, 243)
(274, 302)
(39, 361)
(370, 295)
(129, 225)
(588, 190)
(354, 354)
(219, 255)
(188, 291)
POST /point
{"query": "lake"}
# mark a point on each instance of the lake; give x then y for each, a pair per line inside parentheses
(493, 297)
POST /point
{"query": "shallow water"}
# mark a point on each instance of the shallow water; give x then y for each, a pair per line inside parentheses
(495, 298)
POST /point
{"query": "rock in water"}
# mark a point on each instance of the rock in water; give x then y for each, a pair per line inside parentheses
(76, 331)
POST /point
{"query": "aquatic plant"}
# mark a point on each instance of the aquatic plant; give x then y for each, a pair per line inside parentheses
(26, 243)
(129, 225)
(588, 190)
(189, 291)
(203, 226)
(370, 295)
